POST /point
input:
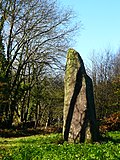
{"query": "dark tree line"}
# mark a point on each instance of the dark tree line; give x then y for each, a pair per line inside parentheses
(106, 80)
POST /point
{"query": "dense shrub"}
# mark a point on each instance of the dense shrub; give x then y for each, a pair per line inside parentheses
(111, 123)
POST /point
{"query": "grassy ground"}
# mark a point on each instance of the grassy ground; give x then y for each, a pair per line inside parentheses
(49, 147)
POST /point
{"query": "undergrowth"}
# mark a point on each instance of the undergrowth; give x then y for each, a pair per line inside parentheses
(52, 147)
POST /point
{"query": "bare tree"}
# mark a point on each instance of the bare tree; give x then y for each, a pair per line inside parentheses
(36, 34)
(106, 74)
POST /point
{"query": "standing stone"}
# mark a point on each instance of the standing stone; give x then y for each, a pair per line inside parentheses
(79, 108)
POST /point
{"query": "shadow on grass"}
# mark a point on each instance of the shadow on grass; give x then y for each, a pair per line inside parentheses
(11, 133)
(115, 138)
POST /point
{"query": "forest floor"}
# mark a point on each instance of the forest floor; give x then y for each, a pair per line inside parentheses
(8, 133)
(51, 147)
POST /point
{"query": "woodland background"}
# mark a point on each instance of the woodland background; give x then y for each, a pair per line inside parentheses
(34, 38)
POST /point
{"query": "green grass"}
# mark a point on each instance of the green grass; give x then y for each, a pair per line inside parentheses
(47, 147)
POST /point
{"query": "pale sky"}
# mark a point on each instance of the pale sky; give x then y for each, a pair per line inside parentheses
(101, 23)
